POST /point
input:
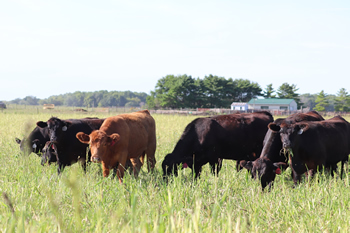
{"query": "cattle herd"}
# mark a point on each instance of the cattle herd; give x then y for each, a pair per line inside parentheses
(304, 141)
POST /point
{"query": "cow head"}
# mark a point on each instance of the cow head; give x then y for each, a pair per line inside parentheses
(172, 162)
(49, 153)
(168, 166)
(100, 143)
(290, 133)
(264, 170)
(28, 146)
(56, 126)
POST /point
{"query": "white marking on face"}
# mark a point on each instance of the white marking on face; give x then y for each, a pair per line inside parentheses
(64, 128)
(34, 146)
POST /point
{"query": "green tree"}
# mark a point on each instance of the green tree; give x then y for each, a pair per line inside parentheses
(245, 90)
(308, 100)
(321, 102)
(120, 100)
(217, 90)
(199, 97)
(342, 101)
(89, 100)
(152, 102)
(268, 92)
(286, 91)
(213, 91)
(57, 100)
(29, 100)
(174, 92)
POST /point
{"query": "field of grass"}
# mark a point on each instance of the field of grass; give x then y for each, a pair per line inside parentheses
(35, 199)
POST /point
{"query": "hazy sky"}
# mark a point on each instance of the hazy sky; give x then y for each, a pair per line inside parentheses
(55, 47)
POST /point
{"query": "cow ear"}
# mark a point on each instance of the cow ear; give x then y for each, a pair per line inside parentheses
(83, 137)
(274, 127)
(278, 166)
(246, 164)
(114, 138)
(41, 124)
(18, 140)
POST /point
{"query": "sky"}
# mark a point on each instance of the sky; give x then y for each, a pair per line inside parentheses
(56, 47)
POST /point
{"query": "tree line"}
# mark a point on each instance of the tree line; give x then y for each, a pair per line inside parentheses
(184, 91)
(330, 103)
(90, 99)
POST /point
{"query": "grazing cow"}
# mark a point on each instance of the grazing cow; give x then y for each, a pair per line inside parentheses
(315, 145)
(211, 139)
(35, 141)
(271, 159)
(123, 137)
(62, 135)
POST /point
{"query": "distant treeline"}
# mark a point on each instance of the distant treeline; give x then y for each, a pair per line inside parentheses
(89, 99)
(212, 91)
(183, 91)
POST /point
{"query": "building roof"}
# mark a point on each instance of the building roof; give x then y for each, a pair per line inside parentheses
(271, 101)
(238, 104)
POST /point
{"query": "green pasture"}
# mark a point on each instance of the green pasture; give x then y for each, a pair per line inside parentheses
(35, 199)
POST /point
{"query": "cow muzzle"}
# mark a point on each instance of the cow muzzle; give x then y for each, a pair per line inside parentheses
(95, 159)
(286, 145)
(53, 139)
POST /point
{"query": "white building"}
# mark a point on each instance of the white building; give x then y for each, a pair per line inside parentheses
(273, 104)
(239, 106)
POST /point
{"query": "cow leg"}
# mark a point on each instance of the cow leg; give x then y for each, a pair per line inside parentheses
(215, 166)
(105, 169)
(333, 169)
(197, 170)
(238, 166)
(128, 166)
(345, 160)
(60, 168)
(296, 178)
(297, 174)
(136, 163)
(151, 159)
(310, 174)
(115, 169)
(298, 168)
(121, 167)
(120, 173)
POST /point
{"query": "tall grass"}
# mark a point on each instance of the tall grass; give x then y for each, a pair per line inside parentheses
(35, 199)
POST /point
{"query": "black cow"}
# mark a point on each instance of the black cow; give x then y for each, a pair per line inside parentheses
(271, 159)
(211, 139)
(62, 135)
(315, 145)
(35, 141)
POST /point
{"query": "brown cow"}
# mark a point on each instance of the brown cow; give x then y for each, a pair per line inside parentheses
(123, 137)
